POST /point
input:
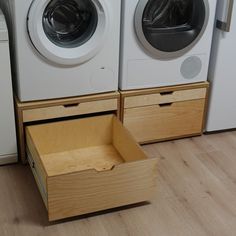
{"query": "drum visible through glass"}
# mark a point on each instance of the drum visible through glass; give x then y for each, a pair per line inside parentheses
(70, 23)
(172, 25)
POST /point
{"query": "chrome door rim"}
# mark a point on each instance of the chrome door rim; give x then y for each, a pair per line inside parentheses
(67, 56)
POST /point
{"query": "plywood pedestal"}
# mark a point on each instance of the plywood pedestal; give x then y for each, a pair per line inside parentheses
(167, 113)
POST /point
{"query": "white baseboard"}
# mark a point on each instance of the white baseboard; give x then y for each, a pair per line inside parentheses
(8, 159)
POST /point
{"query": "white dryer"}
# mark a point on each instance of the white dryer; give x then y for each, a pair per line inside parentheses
(64, 48)
(165, 42)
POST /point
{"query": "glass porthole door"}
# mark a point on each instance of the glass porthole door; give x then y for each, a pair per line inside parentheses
(68, 32)
(169, 28)
(69, 23)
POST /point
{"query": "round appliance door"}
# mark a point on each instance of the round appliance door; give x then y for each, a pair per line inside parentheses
(169, 28)
(68, 32)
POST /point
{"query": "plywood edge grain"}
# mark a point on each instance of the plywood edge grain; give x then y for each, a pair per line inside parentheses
(36, 157)
(125, 143)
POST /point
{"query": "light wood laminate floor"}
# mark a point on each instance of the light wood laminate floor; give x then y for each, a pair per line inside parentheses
(195, 196)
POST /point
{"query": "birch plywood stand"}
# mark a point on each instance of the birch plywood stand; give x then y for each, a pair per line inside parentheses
(160, 114)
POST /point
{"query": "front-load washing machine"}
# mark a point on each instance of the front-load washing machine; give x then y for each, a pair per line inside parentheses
(64, 48)
(165, 42)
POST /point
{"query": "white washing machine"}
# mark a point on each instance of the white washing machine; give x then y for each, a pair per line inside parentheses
(165, 42)
(64, 48)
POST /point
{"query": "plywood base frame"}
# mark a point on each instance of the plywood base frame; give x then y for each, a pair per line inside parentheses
(168, 113)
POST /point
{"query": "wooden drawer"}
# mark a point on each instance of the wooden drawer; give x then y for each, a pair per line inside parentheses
(165, 121)
(69, 109)
(87, 165)
(167, 96)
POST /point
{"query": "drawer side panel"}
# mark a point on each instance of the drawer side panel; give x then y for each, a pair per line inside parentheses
(38, 179)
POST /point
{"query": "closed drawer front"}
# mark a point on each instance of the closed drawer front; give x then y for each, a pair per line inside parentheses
(165, 97)
(161, 122)
(69, 110)
(87, 165)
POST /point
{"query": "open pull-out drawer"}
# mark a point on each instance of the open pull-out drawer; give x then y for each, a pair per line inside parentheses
(87, 165)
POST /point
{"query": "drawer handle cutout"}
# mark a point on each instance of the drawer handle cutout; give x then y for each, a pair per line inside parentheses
(106, 169)
(166, 93)
(71, 105)
(166, 104)
(33, 165)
